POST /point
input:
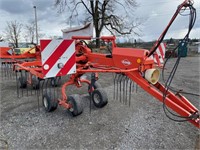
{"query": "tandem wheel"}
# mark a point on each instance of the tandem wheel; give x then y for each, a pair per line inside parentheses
(50, 101)
(99, 97)
(75, 101)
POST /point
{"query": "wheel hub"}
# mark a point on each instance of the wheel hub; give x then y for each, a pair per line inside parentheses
(97, 99)
(45, 102)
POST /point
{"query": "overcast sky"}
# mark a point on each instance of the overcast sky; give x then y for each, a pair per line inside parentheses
(156, 14)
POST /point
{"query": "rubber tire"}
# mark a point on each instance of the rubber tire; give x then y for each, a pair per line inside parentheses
(75, 101)
(22, 82)
(103, 98)
(35, 83)
(51, 101)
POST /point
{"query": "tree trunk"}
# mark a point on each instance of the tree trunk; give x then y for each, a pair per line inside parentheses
(16, 43)
(97, 40)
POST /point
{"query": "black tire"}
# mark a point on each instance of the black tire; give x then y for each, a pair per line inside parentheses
(75, 101)
(50, 101)
(35, 83)
(99, 97)
(22, 82)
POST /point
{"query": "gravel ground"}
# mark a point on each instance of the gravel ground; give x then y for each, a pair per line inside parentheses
(143, 125)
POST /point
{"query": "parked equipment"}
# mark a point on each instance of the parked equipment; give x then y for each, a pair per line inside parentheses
(131, 66)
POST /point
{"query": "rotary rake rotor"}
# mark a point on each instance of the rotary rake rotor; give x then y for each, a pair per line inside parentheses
(9, 57)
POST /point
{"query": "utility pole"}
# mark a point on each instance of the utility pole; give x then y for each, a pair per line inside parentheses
(36, 28)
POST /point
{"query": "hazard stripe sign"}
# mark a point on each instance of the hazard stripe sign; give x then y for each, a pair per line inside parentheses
(159, 54)
(58, 57)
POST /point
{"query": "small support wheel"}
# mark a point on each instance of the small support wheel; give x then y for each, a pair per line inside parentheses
(22, 82)
(49, 101)
(35, 83)
(99, 97)
(74, 101)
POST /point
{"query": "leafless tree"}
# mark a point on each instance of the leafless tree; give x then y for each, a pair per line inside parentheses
(114, 15)
(13, 32)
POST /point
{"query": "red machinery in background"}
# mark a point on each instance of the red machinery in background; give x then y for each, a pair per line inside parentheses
(74, 57)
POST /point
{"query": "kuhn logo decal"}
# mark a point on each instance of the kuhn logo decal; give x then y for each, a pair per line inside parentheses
(126, 62)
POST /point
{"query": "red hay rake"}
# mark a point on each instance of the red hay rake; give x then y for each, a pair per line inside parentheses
(131, 66)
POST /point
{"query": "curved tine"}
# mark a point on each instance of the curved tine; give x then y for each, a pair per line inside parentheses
(22, 89)
(38, 96)
(117, 84)
(124, 79)
(130, 85)
(114, 86)
(10, 69)
(117, 94)
(17, 83)
(26, 76)
(6, 69)
(42, 86)
(133, 87)
(120, 85)
(127, 79)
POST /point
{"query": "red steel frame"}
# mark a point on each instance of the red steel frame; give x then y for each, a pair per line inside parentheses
(138, 63)
(95, 62)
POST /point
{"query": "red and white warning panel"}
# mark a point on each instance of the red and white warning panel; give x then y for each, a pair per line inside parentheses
(58, 57)
(159, 54)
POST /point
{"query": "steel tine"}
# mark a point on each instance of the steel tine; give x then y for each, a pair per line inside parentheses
(6, 70)
(114, 86)
(13, 76)
(10, 70)
(35, 88)
(30, 75)
(22, 89)
(130, 86)
(133, 87)
(1, 65)
(117, 94)
(26, 79)
(120, 85)
(17, 83)
(136, 88)
(127, 79)
(38, 97)
(124, 82)
(42, 86)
